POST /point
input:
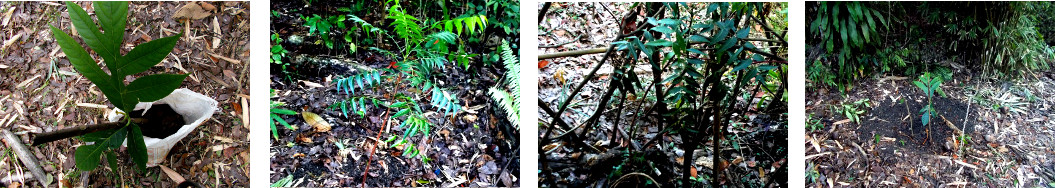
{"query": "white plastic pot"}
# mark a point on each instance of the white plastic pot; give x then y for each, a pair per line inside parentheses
(194, 107)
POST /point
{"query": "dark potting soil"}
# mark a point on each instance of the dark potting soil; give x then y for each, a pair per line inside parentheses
(162, 121)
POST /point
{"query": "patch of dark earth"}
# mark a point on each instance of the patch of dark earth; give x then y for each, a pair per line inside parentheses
(905, 156)
(322, 165)
(162, 121)
(763, 145)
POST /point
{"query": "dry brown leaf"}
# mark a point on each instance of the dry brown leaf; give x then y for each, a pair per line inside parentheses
(191, 11)
(10, 41)
(207, 6)
(469, 118)
(316, 122)
(172, 174)
(7, 16)
(542, 64)
(235, 61)
(552, 146)
(311, 84)
(560, 75)
(216, 29)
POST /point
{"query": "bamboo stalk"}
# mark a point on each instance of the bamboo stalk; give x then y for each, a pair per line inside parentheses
(28, 159)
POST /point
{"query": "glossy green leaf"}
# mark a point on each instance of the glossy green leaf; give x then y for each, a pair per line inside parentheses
(401, 113)
(283, 111)
(147, 55)
(89, 31)
(113, 16)
(154, 87)
(659, 43)
(743, 33)
(86, 65)
(663, 29)
(136, 147)
(283, 122)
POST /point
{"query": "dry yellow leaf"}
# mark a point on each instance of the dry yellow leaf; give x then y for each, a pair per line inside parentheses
(316, 122)
(560, 75)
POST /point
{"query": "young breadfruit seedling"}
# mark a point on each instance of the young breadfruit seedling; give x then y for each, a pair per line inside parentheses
(930, 85)
(107, 43)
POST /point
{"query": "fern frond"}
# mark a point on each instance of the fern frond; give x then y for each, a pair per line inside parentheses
(405, 25)
(431, 63)
(365, 26)
(444, 36)
(457, 25)
(351, 83)
(445, 101)
(509, 101)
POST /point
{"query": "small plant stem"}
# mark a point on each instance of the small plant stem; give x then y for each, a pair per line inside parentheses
(379, 131)
(60, 134)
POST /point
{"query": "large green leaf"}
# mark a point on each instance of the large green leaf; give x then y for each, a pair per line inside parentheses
(146, 55)
(87, 156)
(91, 34)
(154, 87)
(87, 66)
(136, 147)
(113, 16)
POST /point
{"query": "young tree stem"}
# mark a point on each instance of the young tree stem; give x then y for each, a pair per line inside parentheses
(60, 134)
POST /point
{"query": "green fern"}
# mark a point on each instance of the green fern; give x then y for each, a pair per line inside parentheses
(361, 81)
(509, 101)
(445, 101)
(406, 26)
(368, 28)
(471, 23)
(352, 83)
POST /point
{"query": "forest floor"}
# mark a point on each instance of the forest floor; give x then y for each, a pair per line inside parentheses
(761, 139)
(40, 91)
(1008, 126)
(472, 148)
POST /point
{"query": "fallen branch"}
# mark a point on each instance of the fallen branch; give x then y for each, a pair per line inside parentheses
(817, 155)
(605, 50)
(28, 159)
(317, 59)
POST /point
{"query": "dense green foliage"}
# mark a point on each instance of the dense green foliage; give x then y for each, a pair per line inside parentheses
(426, 44)
(707, 65)
(998, 39)
(845, 30)
(113, 17)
